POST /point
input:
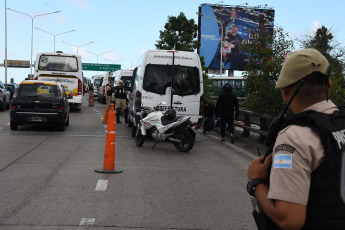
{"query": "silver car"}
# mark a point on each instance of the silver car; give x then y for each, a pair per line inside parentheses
(4, 97)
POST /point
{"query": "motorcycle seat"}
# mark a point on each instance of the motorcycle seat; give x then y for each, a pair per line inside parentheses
(167, 122)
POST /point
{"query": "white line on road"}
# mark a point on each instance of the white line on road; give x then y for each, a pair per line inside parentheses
(101, 185)
(87, 222)
(8, 123)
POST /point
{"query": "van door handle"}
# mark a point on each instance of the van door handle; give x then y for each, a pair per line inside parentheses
(178, 102)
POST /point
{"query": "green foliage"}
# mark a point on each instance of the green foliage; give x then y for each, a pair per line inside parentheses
(324, 41)
(209, 86)
(179, 34)
(266, 56)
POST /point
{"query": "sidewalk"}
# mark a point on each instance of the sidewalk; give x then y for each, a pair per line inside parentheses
(250, 143)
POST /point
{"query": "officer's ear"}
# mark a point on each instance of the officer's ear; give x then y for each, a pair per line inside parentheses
(329, 85)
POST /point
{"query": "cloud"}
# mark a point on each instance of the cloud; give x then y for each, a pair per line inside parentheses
(83, 4)
(61, 19)
(314, 26)
(113, 57)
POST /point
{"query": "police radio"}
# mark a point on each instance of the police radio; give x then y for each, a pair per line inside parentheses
(277, 123)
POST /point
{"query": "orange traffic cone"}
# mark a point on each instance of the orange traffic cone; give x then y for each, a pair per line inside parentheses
(109, 154)
(105, 117)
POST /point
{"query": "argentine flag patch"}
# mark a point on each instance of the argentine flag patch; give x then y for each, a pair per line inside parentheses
(282, 161)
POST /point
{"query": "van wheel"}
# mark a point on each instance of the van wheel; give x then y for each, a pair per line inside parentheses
(134, 130)
(3, 106)
(13, 125)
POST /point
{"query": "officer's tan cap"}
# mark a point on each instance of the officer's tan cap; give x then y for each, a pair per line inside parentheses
(299, 64)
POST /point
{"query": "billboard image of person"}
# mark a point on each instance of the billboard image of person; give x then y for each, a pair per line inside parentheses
(238, 26)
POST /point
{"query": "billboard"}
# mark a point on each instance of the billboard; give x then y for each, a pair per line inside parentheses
(237, 24)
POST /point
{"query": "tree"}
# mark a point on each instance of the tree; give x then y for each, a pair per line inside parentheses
(208, 84)
(323, 40)
(266, 53)
(179, 34)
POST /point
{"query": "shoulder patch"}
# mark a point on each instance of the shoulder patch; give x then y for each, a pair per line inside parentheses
(282, 161)
(284, 147)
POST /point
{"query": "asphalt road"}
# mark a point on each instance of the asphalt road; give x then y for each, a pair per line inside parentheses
(47, 180)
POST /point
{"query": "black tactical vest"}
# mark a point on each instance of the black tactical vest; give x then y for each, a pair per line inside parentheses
(110, 92)
(120, 92)
(325, 208)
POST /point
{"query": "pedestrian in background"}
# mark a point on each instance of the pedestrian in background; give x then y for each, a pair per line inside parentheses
(120, 95)
(304, 167)
(210, 117)
(227, 106)
(109, 94)
(91, 92)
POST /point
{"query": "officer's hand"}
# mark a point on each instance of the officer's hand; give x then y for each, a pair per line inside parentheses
(257, 169)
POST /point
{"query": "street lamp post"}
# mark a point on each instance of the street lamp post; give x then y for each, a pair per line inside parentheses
(54, 35)
(98, 55)
(77, 46)
(32, 29)
(221, 42)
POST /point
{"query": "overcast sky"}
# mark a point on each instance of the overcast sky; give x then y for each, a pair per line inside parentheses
(129, 27)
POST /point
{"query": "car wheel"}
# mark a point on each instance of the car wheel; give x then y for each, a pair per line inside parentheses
(67, 122)
(13, 125)
(61, 126)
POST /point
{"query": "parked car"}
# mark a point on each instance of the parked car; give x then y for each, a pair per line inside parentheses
(12, 88)
(4, 97)
(40, 102)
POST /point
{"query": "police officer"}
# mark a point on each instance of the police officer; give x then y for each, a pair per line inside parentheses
(109, 94)
(120, 95)
(227, 105)
(303, 169)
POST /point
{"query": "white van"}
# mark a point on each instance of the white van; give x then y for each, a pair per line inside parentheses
(171, 76)
(124, 75)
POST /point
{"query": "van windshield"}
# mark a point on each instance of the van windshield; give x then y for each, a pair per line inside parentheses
(157, 79)
(58, 63)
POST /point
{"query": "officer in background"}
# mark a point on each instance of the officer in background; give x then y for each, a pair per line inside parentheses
(120, 95)
(304, 166)
(227, 105)
(109, 94)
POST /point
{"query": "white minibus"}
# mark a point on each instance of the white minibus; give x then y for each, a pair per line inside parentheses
(63, 68)
(174, 77)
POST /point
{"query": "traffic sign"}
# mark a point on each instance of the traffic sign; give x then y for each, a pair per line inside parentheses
(18, 63)
(100, 67)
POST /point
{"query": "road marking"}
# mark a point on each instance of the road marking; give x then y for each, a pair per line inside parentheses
(8, 123)
(101, 185)
(87, 222)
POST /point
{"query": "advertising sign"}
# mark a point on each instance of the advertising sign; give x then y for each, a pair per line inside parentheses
(237, 24)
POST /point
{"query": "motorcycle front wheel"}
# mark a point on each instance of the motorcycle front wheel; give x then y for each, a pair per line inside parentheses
(139, 137)
(187, 140)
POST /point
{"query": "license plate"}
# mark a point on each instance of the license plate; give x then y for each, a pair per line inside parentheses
(36, 119)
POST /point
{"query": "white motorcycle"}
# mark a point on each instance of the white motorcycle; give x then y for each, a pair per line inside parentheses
(177, 129)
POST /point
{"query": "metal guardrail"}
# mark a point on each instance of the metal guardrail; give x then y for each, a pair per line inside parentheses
(249, 119)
